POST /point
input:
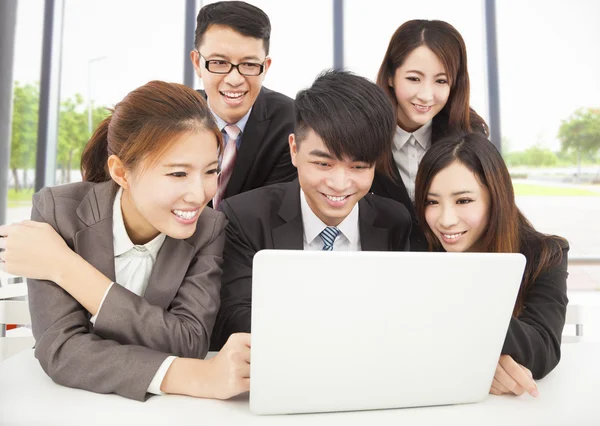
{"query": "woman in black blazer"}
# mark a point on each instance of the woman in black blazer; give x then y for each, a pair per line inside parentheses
(465, 201)
(424, 72)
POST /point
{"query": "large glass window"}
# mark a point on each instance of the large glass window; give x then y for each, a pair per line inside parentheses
(110, 47)
(26, 75)
(550, 117)
(549, 90)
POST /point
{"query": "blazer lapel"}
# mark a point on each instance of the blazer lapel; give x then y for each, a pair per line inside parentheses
(252, 137)
(372, 237)
(169, 272)
(290, 235)
(95, 243)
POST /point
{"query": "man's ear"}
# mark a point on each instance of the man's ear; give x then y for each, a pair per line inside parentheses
(293, 148)
(117, 171)
(195, 58)
(267, 66)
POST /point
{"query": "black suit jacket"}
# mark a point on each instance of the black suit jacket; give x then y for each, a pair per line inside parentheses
(271, 218)
(396, 190)
(264, 155)
(533, 339)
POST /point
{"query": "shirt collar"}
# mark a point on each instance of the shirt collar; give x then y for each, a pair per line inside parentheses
(313, 226)
(222, 123)
(121, 241)
(422, 136)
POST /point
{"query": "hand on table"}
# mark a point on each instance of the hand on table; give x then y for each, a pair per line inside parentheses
(512, 377)
(228, 373)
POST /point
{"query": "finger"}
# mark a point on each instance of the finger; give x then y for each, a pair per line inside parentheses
(526, 370)
(496, 391)
(500, 386)
(503, 377)
(245, 339)
(7, 267)
(245, 371)
(246, 354)
(239, 339)
(245, 385)
(4, 230)
(33, 224)
(519, 375)
(12, 229)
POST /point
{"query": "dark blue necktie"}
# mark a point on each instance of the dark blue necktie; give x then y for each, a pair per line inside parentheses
(328, 235)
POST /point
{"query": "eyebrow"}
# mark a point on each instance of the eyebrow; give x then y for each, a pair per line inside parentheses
(173, 165)
(212, 57)
(454, 194)
(321, 154)
(187, 165)
(442, 74)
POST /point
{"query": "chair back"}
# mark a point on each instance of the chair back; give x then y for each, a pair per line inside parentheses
(14, 310)
(574, 317)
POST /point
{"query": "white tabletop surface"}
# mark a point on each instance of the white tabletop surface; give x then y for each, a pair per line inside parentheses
(570, 395)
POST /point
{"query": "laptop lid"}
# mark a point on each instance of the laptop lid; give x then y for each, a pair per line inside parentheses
(341, 331)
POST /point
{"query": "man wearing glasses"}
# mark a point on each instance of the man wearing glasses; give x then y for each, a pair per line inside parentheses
(231, 57)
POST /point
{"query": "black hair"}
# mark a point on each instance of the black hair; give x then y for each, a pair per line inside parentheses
(240, 16)
(352, 115)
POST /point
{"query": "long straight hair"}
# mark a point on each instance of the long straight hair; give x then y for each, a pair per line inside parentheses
(144, 125)
(448, 45)
(508, 230)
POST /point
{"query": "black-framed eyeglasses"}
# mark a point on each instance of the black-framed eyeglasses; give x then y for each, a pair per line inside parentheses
(221, 66)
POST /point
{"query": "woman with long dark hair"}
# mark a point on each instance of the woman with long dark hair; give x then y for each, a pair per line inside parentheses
(465, 202)
(424, 72)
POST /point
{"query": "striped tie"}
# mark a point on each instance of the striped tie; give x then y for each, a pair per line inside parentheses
(227, 162)
(328, 235)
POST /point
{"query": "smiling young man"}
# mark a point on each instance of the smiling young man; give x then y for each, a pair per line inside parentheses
(344, 125)
(231, 57)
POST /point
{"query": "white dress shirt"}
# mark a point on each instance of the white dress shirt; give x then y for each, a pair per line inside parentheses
(408, 151)
(348, 238)
(133, 266)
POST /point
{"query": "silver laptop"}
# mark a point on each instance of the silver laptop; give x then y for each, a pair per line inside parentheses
(342, 331)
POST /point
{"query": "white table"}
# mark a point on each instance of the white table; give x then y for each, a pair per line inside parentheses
(570, 395)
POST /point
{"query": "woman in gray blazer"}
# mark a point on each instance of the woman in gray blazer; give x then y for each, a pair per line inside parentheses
(124, 268)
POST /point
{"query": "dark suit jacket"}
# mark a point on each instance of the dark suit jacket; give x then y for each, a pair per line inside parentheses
(395, 190)
(533, 339)
(271, 218)
(132, 335)
(264, 155)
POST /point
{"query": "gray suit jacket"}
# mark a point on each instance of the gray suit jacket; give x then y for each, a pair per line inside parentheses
(132, 335)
